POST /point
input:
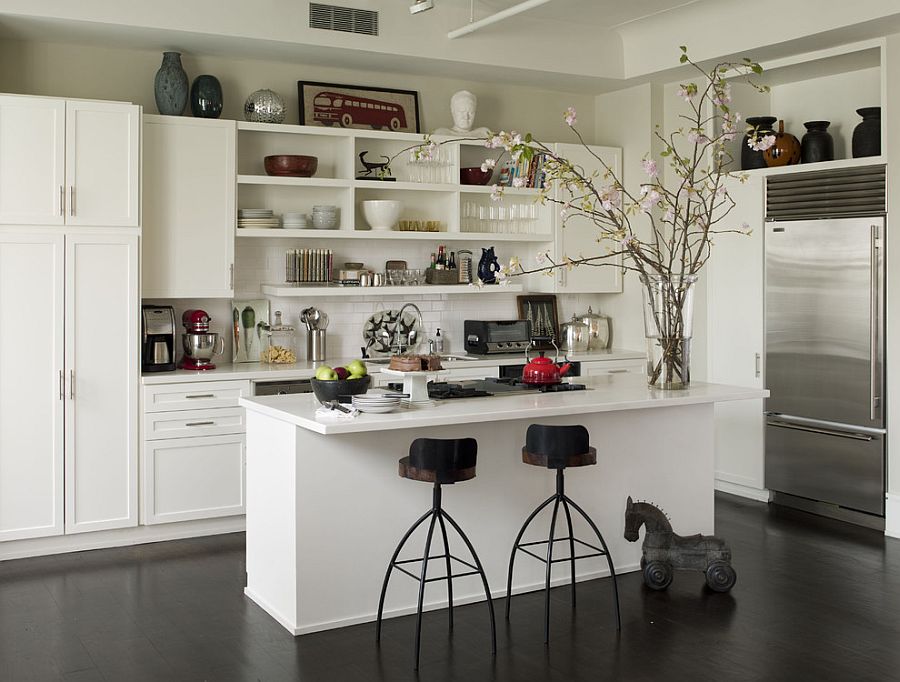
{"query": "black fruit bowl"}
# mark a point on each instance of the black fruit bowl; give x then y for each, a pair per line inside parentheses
(339, 389)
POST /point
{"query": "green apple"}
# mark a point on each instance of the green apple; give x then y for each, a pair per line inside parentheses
(326, 373)
(357, 368)
(357, 376)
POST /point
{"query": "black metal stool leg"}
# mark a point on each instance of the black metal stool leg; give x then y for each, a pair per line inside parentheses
(612, 569)
(390, 569)
(435, 515)
(547, 571)
(449, 568)
(565, 504)
(515, 547)
(487, 590)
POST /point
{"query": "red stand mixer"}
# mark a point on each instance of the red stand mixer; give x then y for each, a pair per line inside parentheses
(199, 344)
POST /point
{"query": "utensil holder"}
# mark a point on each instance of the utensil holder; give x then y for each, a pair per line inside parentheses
(315, 345)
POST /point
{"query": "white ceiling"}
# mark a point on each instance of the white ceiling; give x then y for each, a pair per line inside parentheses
(608, 14)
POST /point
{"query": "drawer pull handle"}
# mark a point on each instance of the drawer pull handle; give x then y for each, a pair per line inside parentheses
(201, 395)
(200, 424)
(618, 371)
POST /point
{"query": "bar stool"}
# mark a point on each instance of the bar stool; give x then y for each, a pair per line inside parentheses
(437, 461)
(558, 447)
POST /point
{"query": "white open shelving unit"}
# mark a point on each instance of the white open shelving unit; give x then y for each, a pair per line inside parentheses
(301, 290)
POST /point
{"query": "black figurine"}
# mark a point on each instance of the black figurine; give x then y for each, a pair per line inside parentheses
(664, 550)
(381, 170)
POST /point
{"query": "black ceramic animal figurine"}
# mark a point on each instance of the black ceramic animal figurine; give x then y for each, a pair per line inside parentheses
(664, 550)
(488, 266)
(381, 170)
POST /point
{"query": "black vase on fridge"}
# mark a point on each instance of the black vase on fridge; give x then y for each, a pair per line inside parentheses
(763, 125)
(206, 97)
(817, 144)
(867, 135)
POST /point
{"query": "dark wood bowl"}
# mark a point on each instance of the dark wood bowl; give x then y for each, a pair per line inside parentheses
(291, 165)
(475, 176)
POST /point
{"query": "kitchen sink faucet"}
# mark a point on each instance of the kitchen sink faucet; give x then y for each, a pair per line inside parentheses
(411, 340)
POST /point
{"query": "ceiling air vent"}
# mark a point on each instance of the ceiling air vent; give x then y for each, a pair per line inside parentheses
(347, 19)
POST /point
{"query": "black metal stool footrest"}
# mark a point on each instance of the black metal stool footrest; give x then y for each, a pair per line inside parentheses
(417, 578)
(597, 551)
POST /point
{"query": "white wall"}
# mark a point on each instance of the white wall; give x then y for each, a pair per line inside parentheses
(99, 72)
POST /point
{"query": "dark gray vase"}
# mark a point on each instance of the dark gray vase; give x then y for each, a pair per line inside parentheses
(206, 97)
(817, 145)
(867, 135)
(171, 85)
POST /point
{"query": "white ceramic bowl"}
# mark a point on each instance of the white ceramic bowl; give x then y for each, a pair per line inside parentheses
(382, 214)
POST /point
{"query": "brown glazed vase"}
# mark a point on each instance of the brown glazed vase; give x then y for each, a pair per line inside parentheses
(785, 151)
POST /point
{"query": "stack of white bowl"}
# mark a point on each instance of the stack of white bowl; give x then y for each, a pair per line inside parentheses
(257, 218)
(295, 220)
(378, 403)
(325, 217)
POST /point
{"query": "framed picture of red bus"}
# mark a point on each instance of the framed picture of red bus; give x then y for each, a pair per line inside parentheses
(353, 106)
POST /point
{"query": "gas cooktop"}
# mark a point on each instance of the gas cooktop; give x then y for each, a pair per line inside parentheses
(491, 386)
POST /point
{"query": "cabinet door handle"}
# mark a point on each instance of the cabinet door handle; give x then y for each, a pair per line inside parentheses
(62, 200)
(62, 385)
(201, 395)
(231, 276)
(71, 200)
(200, 424)
(758, 360)
(618, 371)
(71, 384)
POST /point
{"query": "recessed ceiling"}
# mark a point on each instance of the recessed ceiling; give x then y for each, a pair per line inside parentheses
(605, 14)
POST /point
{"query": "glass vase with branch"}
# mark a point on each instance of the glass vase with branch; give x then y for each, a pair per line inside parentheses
(664, 233)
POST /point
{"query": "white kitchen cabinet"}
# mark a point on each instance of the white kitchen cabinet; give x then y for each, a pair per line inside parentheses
(577, 237)
(68, 383)
(189, 208)
(192, 459)
(194, 478)
(31, 390)
(69, 162)
(603, 367)
(735, 314)
(102, 372)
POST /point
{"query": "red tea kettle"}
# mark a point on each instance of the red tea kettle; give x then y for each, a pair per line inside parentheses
(542, 371)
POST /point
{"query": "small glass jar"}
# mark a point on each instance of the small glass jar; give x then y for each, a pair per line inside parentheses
(282, 344)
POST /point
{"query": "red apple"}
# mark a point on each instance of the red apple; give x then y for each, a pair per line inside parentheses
(341, 372)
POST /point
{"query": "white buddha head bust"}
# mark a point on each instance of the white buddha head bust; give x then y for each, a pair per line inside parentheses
(462, 109)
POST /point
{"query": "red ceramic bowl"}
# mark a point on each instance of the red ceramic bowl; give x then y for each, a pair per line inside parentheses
(475, 176)
(292, 165)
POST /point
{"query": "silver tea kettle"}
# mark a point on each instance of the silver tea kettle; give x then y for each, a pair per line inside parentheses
(599, 330)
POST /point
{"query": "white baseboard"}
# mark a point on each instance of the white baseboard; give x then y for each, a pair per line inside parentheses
(432, 606)
(892, 515)
(122, 537)
(749, 492)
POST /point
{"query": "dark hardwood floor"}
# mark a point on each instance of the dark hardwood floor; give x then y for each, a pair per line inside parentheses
(815, 600)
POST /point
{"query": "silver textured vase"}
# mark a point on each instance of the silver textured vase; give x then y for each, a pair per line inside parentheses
(264, 106)
(170, 88)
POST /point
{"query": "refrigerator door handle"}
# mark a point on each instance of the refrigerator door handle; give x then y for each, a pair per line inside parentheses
(824, 432)
(874, 383)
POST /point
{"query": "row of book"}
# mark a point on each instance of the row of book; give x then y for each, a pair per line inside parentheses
(308, 265)
(531, 171)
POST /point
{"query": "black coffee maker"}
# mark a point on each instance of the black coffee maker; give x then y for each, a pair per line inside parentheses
(157, 338)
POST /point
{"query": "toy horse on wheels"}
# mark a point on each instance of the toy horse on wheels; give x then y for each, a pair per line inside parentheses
(664, 550)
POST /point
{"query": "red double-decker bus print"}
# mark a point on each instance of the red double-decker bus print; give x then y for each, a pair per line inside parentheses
(348, 110)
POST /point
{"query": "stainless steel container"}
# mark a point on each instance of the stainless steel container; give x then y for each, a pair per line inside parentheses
(574, 335)
(315, 345)
(599, 329)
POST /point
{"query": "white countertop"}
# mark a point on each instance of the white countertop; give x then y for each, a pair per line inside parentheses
(609, 393)
(258, 371)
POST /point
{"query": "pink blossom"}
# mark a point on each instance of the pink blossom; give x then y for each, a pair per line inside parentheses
(541, 257)
(723, 95)
(649, 166)
(651, 198)
(669, 216)
(496, 193)
(694, 136)
(687, 92)
(488, 164)
(571, 116)
(761, 143)
(518, 182)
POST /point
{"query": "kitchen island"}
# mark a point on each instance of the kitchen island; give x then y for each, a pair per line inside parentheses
(325, 506)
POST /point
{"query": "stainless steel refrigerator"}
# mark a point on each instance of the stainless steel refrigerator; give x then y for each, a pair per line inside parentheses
(825, 428)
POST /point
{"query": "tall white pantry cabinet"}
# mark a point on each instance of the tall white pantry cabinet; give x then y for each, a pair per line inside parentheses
(69, 351)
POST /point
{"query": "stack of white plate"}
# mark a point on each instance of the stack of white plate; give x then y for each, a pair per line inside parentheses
(376, 402)
(295, 220)
(257, 218)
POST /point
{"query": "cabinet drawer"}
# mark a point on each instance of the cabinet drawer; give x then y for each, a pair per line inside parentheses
(189, 423)
(601, 367)
(195, 395)
(187, 479)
